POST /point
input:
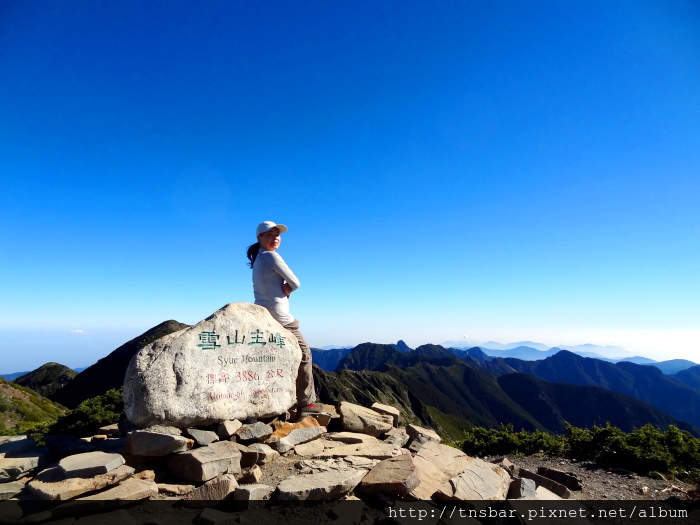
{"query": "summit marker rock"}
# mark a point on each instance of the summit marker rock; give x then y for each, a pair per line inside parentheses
(239, 363)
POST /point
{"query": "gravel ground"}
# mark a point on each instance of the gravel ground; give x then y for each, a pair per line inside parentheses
(599, 483)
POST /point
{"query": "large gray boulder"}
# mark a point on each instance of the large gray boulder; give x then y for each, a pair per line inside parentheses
(238, 363)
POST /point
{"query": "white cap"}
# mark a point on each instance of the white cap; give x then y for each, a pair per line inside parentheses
(267, 226)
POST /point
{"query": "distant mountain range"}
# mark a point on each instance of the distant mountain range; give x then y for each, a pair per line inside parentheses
(455, 388)
(609, 352)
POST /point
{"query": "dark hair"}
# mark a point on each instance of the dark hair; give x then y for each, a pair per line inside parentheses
(252, 253)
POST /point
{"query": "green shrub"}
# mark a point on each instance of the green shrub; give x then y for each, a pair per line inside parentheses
(643, 450)
(91, 414)
(479, 441)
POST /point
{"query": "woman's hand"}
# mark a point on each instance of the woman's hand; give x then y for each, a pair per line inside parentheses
(286, 289)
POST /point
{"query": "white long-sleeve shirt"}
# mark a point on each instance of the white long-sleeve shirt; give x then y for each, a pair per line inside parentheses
(269, 272)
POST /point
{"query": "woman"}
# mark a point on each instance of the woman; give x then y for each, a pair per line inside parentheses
(273, 283)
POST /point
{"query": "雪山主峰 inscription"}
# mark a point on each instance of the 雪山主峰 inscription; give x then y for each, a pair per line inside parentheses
(237, 363)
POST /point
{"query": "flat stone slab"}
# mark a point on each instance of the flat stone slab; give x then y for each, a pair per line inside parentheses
(356, 418)
(16, 445)
(296, 437)
(132, 489)
(310, 448)
(367, 450)
(415, 430)
(283, 429)
(89, 464)
(480, 481)
(312, 466)
(239, 363)
(177, 489)
(10, 490)
(52, 485)
(145, 443)
(570, 481)
(205, 463)
(549, 484)
(352, 437)
(321, 486)
(12, 468)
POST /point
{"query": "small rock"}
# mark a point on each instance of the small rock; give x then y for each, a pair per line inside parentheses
(253, 476)
(415, 431)
(397, 436)
(387, 410)
(643, 491)
(506, 465)
(249, 457)
(214, 489)
(254, 432)
(111, 430)
(146, 443)
(265, 453)
(202, 437)
(228, 428)
(522, 488)
(356, 418)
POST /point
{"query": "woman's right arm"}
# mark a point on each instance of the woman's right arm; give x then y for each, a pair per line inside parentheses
(277, 264)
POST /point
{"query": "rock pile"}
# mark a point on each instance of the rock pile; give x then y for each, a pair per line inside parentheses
(349, 452)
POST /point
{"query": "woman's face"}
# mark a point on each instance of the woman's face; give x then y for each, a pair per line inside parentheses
(270, 240)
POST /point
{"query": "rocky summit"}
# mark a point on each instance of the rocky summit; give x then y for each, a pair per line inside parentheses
(239, 363)
(391, 478)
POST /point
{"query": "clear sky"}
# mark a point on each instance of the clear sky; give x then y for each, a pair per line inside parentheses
(498, 170)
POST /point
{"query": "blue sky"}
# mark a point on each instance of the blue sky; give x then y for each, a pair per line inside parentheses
(495, 170)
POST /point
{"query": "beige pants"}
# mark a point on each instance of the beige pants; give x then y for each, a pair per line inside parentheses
(306, 393)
